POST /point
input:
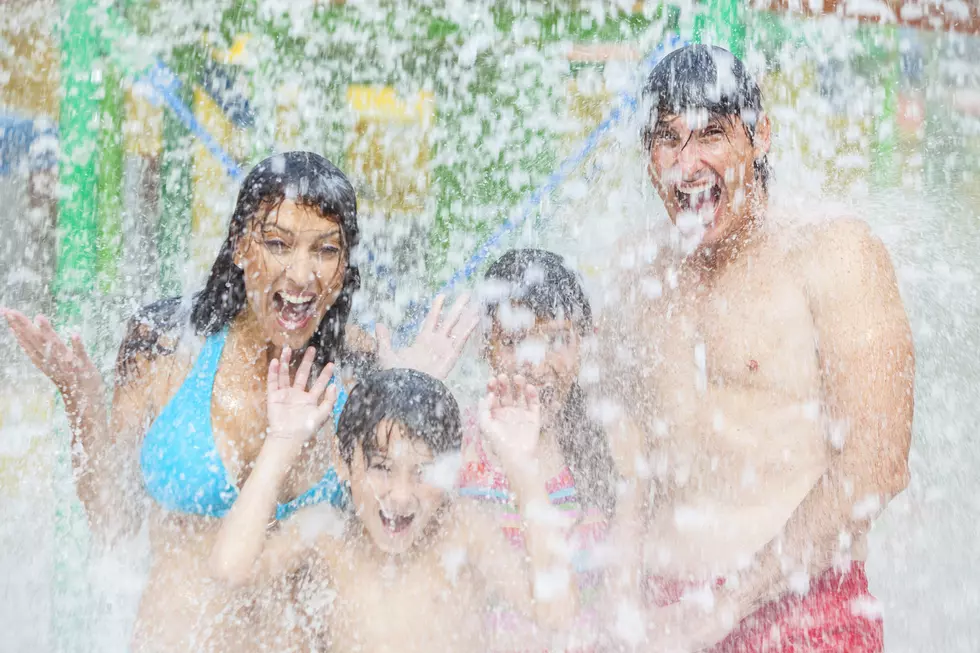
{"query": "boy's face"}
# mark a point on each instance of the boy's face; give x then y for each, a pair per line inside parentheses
(393, 489)
(546, 353)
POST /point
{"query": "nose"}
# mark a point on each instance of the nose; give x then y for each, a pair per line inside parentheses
(401, 493)
(689, 158)
(300, 269)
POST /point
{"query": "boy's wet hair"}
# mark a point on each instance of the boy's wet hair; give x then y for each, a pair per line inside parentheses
(709, 78)
(419, 403)
(540, 281)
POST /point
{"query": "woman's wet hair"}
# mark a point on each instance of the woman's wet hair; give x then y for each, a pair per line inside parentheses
(419, 403)
(310, 181)
(540, 281)
(709, 78)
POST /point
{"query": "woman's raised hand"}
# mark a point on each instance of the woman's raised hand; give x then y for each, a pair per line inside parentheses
(438, 345)
(69, 368)
(295, 413)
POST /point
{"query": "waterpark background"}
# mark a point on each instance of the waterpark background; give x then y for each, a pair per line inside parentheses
(466, 127)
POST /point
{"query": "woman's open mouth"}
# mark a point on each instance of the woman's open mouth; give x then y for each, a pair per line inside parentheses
(294, 311)
(396, 524)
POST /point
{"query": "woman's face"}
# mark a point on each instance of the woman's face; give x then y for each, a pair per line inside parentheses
(545, 351)
(294, 262)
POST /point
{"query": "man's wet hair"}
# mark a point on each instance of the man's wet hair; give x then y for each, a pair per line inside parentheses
(709, 78)
(540, 281)
(420, 404)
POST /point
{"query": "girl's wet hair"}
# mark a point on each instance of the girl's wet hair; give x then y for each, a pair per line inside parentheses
(540, 280)
(419, 403)
(709, 78)
(311, 181)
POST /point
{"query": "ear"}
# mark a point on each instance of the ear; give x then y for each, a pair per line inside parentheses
(763, 137)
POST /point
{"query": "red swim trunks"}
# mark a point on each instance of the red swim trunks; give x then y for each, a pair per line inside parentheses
(837, 615)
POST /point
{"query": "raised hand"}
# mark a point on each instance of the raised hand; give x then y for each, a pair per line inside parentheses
(296, 414)
(69, 368)
(510, 418)
(438, 345)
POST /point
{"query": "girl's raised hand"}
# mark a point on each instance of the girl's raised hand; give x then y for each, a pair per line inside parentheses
(295, 413)
(510, 418)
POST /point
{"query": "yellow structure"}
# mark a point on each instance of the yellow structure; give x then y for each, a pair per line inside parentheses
(388, 157)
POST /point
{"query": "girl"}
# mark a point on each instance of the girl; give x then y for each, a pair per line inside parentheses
(539, 318)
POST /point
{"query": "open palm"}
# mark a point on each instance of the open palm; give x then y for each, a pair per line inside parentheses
(510, 417)
(438, 344)
(69, 367)
(295, 413)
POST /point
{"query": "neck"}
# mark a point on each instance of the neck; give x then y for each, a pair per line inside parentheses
(252, 344)
(711, 259)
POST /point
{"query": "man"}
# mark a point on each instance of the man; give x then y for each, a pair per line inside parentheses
(768, 363)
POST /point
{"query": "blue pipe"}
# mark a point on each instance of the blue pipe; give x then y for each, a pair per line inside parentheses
(627, 104)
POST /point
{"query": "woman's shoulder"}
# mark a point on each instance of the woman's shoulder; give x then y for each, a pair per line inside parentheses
(154, 332)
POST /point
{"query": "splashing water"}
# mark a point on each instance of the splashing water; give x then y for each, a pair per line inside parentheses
(453, 119)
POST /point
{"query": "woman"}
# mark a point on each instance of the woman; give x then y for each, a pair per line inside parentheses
(539, 320)
(189, 406)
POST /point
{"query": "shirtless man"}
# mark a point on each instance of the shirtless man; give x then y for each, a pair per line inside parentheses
(768, 366)
(411, 567)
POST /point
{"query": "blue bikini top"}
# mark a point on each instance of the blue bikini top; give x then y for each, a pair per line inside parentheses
(182, 469)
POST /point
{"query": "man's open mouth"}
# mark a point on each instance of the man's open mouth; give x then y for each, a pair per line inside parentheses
(293, 311)
(396, 523)
(702, 198)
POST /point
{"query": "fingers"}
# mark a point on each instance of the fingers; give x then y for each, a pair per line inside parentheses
(520, 390)
(53, 343)
(432, 319)
(272, 380)
(284, 358)
(78, 349)
(531, 397)
(324, 411)
(504, 390)
(456, 312)
(305, 366)
(322, 381)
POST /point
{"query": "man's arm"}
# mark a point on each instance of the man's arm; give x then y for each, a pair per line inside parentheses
(867, 367)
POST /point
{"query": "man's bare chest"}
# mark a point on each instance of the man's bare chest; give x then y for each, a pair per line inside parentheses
(751, 331)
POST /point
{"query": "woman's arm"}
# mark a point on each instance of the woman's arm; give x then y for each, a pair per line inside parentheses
(104, 455)
(245, 551)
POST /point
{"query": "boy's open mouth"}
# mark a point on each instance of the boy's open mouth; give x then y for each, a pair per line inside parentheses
(293, 311)
(396, 523)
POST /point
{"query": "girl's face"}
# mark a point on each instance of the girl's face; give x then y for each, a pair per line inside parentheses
(294, 261)
(545, 351)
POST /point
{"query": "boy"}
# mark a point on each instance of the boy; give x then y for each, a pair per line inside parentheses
(412, 567)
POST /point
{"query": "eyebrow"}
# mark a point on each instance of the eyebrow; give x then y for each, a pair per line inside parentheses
(269, 227)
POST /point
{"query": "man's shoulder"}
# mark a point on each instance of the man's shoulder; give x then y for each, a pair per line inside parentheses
(832, 244)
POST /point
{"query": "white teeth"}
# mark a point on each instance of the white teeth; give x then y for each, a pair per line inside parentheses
(691, 189)
(295, 299)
